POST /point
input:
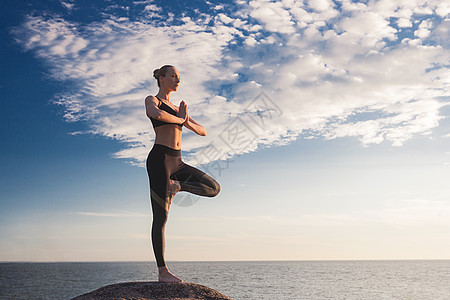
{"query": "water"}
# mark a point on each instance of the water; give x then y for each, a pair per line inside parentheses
(292, 280)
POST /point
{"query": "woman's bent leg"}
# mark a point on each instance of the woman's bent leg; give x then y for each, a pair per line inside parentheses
(195, 181)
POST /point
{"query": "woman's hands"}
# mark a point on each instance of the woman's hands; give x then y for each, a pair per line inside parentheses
(188, 121)
(183, 111)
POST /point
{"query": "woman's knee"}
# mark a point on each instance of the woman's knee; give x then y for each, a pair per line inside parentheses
(215, 188)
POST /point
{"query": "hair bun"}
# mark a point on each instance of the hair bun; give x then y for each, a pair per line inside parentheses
(161, 72)
(155, 73)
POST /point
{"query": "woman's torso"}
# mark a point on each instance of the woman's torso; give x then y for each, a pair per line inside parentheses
(167, 134)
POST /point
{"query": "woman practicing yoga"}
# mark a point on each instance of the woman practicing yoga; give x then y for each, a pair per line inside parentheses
(168, 174)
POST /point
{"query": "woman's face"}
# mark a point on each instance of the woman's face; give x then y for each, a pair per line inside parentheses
(171, 80)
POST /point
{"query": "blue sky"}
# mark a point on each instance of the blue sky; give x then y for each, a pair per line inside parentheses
(327, 128)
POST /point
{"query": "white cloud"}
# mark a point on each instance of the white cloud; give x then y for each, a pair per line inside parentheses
(272, 15)
(225, 19)
(424, 29)
(443, 9)
(320, 5)
(55, 38)
(67, 4)
(441, 33)
(330, 73)
(403, 22)
(152, 7)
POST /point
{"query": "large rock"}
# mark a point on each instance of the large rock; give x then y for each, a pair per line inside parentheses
(153, 290)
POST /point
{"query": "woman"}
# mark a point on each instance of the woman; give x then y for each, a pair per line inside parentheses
(167, 172)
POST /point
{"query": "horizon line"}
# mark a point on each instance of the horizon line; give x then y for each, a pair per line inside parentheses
(259, 260)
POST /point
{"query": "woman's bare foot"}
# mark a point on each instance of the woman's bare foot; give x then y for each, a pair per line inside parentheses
(174, 187)
(166, 276)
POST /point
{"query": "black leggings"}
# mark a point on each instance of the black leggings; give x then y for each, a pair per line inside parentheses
(163, 164)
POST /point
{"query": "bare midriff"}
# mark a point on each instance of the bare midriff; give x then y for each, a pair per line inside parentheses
(169, 135)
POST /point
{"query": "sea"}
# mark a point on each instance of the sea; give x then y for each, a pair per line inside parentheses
(293, 280)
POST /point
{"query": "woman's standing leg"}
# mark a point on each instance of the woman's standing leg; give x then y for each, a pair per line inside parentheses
(158, 228)
(160, 187)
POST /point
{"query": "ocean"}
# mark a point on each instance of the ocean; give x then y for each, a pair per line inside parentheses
(293, 280)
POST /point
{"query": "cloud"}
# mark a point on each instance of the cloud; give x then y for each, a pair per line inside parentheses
(263, 73)
(67, 4)
(272, 15)
(424, 29)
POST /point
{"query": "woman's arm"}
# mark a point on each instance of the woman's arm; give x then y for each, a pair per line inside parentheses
(191, 123)
(195, 127)
(152, 110)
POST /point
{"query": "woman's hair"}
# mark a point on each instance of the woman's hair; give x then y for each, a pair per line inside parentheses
(161, 72)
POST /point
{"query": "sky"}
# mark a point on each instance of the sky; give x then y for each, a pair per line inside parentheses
(328, 128)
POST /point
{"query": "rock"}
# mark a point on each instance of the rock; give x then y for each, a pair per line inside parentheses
(153, 290)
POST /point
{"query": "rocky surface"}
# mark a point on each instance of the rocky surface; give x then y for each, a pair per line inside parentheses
(153, 290)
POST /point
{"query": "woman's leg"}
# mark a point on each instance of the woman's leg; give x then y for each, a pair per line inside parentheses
(158, 227)
(195, 181)
(161, 192)
(158, 240)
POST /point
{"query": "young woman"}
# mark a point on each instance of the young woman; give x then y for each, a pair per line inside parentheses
(168, 174)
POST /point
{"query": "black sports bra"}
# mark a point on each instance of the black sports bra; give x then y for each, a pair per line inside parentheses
(166, 108)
